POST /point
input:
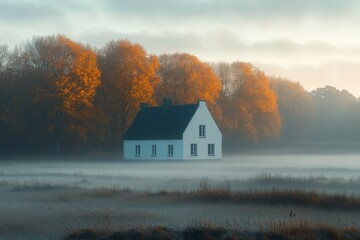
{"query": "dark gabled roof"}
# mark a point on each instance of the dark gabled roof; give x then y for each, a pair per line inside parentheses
(157, 123)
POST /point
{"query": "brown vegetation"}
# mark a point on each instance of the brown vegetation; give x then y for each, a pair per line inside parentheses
(272, 197)
(288, 232)
(71, 202)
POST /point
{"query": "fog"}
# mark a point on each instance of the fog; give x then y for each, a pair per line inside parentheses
(241, 166)
(158, 175)
(103, 194)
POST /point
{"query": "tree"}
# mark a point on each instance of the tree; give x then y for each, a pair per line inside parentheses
(335, 115)
(185, 79)
(67, 78)
(15, 100)
(249, 107)
(3, 65)
(5, 95)
(296, 109)
(224, 72)
(4, 53)
(129, 77)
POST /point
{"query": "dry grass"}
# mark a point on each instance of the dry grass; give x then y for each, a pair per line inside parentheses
(107, 192)
(278, 197)
(291, 232)
(104, 209)
(35, 185)
(306, 231)
(269, 197)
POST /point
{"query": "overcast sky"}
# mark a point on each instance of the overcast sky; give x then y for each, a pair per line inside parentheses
(315, 42)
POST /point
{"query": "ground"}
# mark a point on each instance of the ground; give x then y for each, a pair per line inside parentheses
(46, 199)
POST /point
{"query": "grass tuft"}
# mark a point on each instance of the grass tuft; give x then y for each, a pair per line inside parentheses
(208, 232)
(265, 197)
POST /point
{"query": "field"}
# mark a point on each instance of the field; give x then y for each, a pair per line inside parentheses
(48, 199)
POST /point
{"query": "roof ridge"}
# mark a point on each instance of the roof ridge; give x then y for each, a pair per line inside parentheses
(175, 105)
(157, 123)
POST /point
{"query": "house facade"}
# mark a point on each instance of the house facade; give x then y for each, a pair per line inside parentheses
(173, 132)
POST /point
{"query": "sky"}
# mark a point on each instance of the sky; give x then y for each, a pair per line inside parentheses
(314, 42)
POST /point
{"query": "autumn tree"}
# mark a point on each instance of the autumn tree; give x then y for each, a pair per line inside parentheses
(185, 79)
(249, 106)
(296, 109)
(52, 95)
(129, 77)
(67, 77)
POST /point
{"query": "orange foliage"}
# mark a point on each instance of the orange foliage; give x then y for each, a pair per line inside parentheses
(70, 72)
(80, 79)
(251, 107)
(129, 77)
(186, 79)
(68, 83)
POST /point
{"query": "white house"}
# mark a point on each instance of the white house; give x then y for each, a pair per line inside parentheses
(173, 132)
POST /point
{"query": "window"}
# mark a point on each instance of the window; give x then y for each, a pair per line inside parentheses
(137, 150)
(211, 149)
(170, 150)
(153, 150)
(193, 149)
(202, 131)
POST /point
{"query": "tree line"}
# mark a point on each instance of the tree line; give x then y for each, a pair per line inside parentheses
(61, 96)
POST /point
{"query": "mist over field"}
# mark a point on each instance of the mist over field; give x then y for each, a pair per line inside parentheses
(47, 198)
(230, 167)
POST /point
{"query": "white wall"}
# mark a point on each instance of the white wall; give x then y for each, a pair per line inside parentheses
(146, 149)
(213, 135)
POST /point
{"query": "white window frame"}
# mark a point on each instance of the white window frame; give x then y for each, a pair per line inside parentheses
(153, 150)
(211, 149)
(137, 150)
(202, 131)
(193, 149)
(170, 150)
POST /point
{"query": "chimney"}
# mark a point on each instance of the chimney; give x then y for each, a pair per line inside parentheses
(167, 103)
(143, 106)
